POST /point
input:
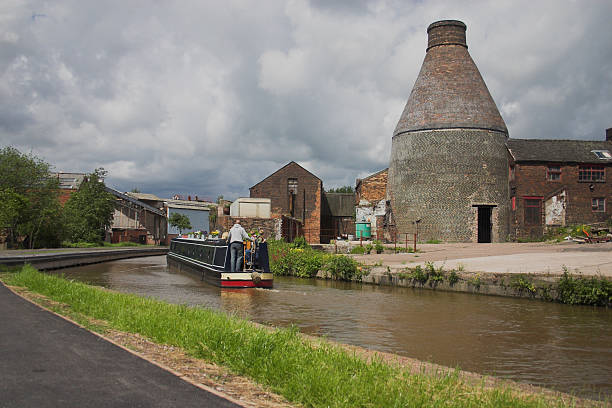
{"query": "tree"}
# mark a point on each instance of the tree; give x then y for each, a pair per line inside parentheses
(179, 221)
(29, 202)
(89, 211)
(344, 189)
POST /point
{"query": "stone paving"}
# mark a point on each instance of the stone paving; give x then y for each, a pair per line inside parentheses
(534, 258)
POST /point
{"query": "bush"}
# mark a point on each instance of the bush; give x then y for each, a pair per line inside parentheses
(342, 267)
(378, 246)
(300, 242)
(584, 291)
(358, 250)
(287, 260)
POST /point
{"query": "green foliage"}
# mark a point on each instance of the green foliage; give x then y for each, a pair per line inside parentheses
(358, 250)
(453, 278)
(307, 372)
(342, 267)
(475, 281)
(343, 189)
(522, 284)
(179, 221)
(418, 274)
(584, 291)
(368, 248)
(433, 241)
(29, 205)
(287, 260)
(300, 242)
(379, 247)
(88, 213)
(435, 275)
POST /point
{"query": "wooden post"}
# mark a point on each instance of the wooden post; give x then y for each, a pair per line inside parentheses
(395, 242)
(361, 238)
(406, 242)
(415, 239)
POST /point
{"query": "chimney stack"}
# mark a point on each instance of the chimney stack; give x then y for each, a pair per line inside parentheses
(609, 135)
(446, 32)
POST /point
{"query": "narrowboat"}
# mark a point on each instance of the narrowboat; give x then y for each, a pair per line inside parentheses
(210, 260)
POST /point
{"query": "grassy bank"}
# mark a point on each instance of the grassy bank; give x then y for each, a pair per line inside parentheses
(311, 373)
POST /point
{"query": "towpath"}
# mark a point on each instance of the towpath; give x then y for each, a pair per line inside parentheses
(48, 361)
(534, 258)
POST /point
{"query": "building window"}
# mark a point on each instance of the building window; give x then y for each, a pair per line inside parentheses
(553, 173)
(292, 186)
(591, 173)
(511, 173)
(533, 211)
(598, 204)
(602, 154)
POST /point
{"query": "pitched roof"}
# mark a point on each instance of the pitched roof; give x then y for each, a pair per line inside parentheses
(359, 180)
(286, 165)
(132, 200)
(144, 196)
(558, 151)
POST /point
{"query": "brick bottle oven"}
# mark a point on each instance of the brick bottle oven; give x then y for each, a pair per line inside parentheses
(449, 163)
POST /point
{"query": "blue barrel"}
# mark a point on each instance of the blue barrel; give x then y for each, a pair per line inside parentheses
(363, 230)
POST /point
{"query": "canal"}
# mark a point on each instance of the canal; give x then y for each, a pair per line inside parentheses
(568, 348)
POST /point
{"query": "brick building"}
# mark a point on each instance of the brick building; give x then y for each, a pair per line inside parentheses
(559, 182)
(370, 201)
(449, 163)
(295, 193)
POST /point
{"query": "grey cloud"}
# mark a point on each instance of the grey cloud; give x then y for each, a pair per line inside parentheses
(206, 99)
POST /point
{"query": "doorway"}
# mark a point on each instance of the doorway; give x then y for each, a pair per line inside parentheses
(484, 223)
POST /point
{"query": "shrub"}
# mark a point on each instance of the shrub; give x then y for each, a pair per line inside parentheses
(342, 267)
(378, 246)
(358, 250)
(586, 291)
(300, 242)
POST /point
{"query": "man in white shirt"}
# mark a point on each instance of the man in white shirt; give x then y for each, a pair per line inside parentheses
(236, 235)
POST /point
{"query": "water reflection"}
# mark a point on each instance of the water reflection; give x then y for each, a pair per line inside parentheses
(564, 347)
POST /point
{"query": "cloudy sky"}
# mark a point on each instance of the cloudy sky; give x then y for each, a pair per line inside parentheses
(210, 97)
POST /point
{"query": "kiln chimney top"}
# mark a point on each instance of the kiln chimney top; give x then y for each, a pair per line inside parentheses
(449, 91)
(446, 32)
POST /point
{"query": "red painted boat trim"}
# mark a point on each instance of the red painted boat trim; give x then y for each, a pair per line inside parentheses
(245, 284)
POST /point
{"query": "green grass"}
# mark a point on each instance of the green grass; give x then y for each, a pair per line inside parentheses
(308, 372)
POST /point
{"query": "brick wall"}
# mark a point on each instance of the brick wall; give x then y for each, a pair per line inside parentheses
(372, 188)
(440, 176)
(530, 181)
(307, 204)
(225, 222)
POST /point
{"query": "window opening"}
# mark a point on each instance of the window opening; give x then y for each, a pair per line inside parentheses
(598, 204)
(553, 173)
(602, 154)
(591, 173)
(292, 186)
(533, 211)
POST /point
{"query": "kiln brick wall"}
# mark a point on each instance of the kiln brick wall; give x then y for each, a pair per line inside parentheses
(438, 176)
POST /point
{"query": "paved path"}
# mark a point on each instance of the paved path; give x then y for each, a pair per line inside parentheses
(538, 258)
(47, 361)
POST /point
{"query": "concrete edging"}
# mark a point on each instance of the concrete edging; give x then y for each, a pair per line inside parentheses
(46, 261)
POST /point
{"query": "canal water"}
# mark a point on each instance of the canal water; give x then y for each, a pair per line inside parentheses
(568, 348)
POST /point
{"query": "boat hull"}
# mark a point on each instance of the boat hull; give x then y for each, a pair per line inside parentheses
(184, 261)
